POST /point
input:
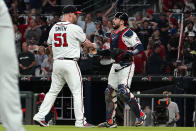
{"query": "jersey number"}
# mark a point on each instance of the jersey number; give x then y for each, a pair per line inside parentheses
(58, 38)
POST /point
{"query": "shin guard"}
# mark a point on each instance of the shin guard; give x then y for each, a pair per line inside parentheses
(111, 104)
(128, 97)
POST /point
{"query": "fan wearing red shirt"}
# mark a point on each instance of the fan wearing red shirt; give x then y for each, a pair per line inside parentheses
(140, 63)
(167, 5)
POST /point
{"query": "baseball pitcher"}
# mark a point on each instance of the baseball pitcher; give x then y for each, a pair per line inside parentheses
(64, 42)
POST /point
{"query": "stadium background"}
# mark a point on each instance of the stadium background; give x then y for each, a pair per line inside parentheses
(46, 14)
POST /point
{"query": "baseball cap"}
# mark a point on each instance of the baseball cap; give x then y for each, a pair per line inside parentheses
(149, 11)
(70, 9)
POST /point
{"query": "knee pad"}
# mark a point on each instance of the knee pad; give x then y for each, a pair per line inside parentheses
(123, 92)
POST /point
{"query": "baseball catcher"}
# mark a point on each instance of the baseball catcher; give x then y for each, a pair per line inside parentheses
(124, 44)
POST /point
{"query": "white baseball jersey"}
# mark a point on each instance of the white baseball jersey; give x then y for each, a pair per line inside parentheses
(65, 39)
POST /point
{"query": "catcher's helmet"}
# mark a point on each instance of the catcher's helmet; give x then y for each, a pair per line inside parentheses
(123, 16)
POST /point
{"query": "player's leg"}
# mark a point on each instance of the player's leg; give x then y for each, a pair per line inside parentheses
(124, 92)
(111, 99)
(74, 81)
(10, 106)
(56, 86)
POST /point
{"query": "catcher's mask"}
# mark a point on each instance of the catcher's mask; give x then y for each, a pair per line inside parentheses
(122, 16)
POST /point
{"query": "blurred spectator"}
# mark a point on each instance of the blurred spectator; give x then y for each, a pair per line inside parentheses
(85, 62)
(172, 47)
(190, 44)
(163, 25)
(46, 66)
(140, 63)
(168, 5)
(189, 52)
(190, 28)
(39, 58)
(110, 26)
(48, 6)
(155, 64)
(18, 37)
(32, 47)
(54, 20)
(22, 27)
(187, 15)
(33, 31)
(45, 32)
(150, 15)
(38, 19)
(105, 24)
(178, 6)
(35, 4)
(189, 6)
(149, 116)
(144, 32)
(100, 15)
(27, 6)
(26, 61)
(155, 40)
(138, 20)
(174, 114)
(98, 35)
(87, 25)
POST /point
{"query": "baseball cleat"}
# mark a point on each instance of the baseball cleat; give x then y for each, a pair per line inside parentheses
(40, 122)
(107, 125)
(87, 125)
(140, 121)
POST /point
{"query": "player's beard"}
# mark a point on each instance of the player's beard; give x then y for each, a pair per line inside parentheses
(116, 26)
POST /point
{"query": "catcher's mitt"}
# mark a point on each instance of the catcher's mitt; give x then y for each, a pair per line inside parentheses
(121, 55)
(106, 52)
(116, 52)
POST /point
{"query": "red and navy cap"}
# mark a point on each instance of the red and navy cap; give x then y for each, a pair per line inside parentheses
(70, 9)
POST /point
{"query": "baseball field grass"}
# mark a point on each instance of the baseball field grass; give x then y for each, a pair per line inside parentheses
(120, 128)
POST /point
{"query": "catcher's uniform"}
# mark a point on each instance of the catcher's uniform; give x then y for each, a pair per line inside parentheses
(122, 71)
(10, 107)
(65, 39)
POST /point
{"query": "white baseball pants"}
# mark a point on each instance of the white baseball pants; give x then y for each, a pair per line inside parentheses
(65, 71)
(123, 76)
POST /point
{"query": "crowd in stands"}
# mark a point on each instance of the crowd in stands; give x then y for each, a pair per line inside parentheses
(159, 33)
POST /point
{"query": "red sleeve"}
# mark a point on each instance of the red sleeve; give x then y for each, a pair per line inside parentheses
(149, 53)
(144, 58)
(162, 52)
